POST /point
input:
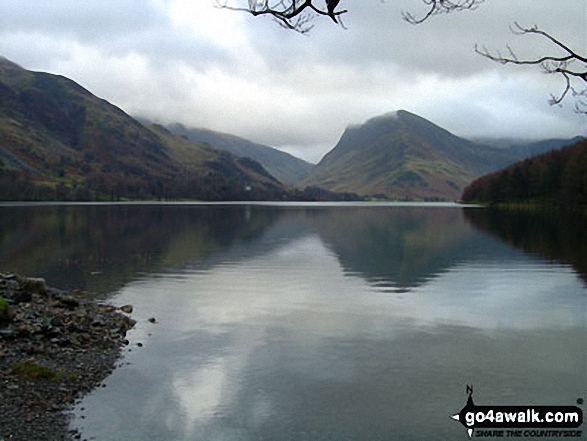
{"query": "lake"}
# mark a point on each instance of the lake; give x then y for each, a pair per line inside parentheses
(316, 321)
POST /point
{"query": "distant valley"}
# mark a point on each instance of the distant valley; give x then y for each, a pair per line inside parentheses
(285, 167)
(60, 142)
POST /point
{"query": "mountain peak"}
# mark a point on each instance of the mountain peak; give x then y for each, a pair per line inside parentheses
(5, 63)
(398, 154)
(395, 117)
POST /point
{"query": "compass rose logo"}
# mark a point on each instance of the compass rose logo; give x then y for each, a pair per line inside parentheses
(550, 421)
(468, 409)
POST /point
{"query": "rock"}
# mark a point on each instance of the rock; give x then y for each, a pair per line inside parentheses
(22, 297)
(56, 321)
(123, 324)
(126, 309)
(36, 285)
(6, 314)
(152, 320)
(6, 333)
(77, 339)
(66, 301)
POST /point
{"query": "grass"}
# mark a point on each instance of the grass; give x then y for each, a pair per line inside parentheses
(4, 309)
(31, 370)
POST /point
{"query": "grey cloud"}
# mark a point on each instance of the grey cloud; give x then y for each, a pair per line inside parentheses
(87, 20)
(295, 91)
(114, 27)
(377, 35)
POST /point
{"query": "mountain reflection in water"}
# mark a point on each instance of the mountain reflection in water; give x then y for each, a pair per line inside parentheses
(100, 248)
(310, 322)
(552, 234)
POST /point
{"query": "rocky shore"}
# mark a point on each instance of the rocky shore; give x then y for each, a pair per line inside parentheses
(55, 346)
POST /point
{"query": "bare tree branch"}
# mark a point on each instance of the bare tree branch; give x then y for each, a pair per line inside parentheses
(567, 63)
(297, 14)
(291, 14)
(437, 7)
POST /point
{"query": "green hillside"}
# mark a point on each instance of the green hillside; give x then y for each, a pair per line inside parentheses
(285, 167)
(398, 155)
(401, 155)
(60, 142)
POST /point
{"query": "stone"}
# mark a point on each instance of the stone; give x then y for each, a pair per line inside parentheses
(6, 313)
(22, 297)
(152, 320)
(6, 333)
(68, 333)
(106, 309)
(35, 285)
(67, 301)
(126, 309)
(56, 321)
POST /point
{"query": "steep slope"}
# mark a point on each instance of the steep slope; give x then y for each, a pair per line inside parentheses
(285, 167)
(402, 155)
(559, 176)
(217, 174)
(58, 141)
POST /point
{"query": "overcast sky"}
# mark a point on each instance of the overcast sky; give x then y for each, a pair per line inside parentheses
(185, 61)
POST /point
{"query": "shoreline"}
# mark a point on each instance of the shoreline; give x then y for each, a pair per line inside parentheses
(55, 347)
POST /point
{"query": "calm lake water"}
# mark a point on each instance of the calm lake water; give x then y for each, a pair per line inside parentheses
(317, 322)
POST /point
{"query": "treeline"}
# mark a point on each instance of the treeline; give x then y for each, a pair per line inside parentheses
(557, 177)
(212, 186)
(18, 186)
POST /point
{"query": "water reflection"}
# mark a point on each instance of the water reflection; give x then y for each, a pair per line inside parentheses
(554, 235)
(276, 356)
(309, 323)
(102, 247)
(400, 247)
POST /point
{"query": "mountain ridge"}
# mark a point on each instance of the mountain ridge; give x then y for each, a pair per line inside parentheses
(59, 141)
(402, 155)
(287, 168)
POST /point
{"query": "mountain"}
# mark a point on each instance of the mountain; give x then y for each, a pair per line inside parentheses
(558, 176)
(285, 167)
(402, 155)
(520, 149)
(59, 141)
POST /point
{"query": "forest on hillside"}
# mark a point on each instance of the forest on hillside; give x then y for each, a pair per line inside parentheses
(558, 177)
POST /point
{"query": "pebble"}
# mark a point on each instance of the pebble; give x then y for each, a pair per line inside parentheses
(126, 309)
(78, 340)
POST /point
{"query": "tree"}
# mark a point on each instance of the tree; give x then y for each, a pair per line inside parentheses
(563, 61)
(298, 14)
